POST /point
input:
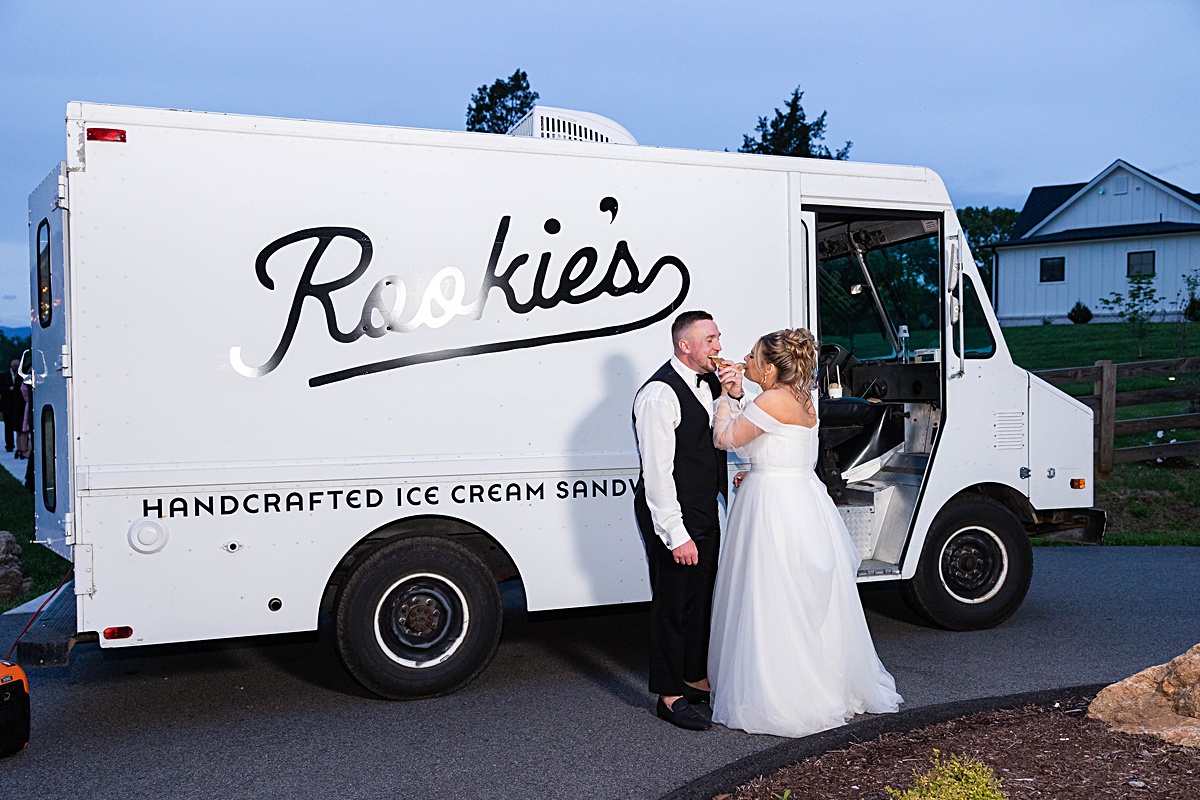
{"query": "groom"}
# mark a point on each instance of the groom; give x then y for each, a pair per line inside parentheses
(675, 504)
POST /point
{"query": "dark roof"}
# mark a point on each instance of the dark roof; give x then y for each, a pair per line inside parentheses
(1042, 201)
(1045, 200)
(1190, 195)
(1108, 232)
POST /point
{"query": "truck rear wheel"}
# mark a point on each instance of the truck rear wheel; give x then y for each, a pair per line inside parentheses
(419, 617)
(975, 567)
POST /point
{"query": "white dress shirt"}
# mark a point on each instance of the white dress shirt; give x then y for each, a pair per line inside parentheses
(658, 414)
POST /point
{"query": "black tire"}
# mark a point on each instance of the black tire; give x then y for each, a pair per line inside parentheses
(975, 567)
(419, 617)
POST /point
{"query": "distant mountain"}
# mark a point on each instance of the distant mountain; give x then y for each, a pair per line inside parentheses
(15, 333)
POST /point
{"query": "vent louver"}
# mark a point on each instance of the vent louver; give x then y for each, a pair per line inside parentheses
(1008, 430)
(545, 122)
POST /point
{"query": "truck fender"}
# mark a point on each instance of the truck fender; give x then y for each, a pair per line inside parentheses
(1007, 495)
(474, 538)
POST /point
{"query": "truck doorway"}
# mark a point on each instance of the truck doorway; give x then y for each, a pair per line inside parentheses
(879, 371)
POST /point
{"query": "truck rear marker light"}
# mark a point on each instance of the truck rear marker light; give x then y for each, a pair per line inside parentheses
(105, 135)
(121, 632)
(1078, 483)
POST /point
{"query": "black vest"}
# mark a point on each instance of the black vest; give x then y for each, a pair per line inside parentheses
(701, 469)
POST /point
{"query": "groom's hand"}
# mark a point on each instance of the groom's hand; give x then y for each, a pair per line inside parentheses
(687, 554)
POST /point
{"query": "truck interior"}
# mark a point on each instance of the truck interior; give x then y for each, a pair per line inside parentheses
(879, 290)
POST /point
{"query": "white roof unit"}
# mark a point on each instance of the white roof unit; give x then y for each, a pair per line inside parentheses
(544, 122)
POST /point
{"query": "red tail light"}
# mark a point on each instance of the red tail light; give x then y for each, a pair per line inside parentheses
(122, 632)
(105, 135)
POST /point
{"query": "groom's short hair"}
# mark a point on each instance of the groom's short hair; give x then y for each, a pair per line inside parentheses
(684, 321)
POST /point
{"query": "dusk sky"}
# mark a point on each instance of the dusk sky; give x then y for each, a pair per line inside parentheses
(997, 97)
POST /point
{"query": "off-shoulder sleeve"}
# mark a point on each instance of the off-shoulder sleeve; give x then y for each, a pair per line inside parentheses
(734, 428)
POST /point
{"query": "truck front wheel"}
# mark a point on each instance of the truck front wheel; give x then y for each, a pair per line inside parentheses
(419, 617)
(975, 567)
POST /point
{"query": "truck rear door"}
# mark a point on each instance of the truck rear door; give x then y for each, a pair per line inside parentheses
(49, 362)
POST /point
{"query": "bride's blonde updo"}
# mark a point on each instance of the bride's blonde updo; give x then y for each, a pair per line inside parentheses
(793, 353)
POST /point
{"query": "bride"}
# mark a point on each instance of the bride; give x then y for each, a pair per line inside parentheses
(790, 653)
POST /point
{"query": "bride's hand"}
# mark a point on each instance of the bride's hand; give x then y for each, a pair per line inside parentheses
(731, 381)
(739, 477)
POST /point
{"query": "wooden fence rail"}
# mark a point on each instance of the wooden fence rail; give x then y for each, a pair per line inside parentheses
(1105, 400)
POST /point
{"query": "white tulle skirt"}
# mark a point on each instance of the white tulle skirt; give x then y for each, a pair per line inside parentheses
(791, 653)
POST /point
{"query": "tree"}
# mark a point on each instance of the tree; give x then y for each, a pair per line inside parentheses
(985, 228)
(1187, 310)
(1137, 307)
(789, 133)
(11, 347)
(496, 108)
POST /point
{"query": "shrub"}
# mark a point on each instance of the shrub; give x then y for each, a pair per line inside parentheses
(953, 778)
(1047, 321)
(1079, 313)
(1191, 311)
(1137, 307)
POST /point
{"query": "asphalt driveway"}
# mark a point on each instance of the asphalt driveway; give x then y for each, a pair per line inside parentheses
(562, 711)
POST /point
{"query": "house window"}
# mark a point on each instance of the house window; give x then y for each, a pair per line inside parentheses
(1053, 270)
(1141, 263)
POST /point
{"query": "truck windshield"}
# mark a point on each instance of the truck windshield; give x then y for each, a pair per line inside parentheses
(875, 276)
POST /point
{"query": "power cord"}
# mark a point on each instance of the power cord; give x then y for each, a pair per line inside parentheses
(52, 595)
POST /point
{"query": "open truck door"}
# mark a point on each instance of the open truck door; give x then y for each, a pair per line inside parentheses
(975, 560)
(48, 366)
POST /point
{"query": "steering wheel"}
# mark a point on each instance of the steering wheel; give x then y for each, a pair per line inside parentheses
(830, 357)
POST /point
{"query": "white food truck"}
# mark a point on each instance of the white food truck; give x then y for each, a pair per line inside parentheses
(288, 367)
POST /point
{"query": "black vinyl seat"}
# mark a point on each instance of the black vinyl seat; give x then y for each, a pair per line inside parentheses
(854, 431)
(836, 413)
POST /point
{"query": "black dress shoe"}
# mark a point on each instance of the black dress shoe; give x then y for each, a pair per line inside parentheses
(681, 715)
(694, 695)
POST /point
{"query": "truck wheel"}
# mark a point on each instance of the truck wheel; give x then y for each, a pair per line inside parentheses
(975, 567)
(419, 617)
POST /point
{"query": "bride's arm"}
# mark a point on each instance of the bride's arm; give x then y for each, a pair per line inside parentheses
(731, 429)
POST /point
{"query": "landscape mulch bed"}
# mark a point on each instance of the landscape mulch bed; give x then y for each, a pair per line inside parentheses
(1047, 749)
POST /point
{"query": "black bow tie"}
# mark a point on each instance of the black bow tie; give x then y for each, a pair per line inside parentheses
(700, 379)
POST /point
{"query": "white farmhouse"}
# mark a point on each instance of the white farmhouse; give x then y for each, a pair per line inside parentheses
(1080, 241)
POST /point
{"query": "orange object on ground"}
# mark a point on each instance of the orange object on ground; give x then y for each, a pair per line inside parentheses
(14, 709)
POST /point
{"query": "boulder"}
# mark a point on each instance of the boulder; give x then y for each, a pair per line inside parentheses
(1162, 700)
(12, 581)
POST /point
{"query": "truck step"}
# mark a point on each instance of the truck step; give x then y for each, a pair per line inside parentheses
(870, 569)
(49, 640)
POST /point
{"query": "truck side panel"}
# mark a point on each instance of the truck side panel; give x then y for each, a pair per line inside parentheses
(201, 253)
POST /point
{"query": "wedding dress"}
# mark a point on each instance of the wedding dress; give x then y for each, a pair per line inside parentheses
(790, 652)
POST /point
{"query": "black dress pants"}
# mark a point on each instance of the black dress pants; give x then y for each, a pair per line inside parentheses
(680, 610)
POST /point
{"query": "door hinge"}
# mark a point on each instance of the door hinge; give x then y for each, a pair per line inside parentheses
(68, 528)
(61, 201)
(84, 580)
(1025, 473)
(64, 362)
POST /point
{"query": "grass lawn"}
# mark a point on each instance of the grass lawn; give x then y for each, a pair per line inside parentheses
(1147, 503)
(1037, 347)
(16, 517)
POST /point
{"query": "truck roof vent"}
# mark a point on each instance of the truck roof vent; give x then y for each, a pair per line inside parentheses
(544, 122)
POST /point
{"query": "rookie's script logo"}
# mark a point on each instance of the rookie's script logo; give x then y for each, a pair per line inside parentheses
(443, 298)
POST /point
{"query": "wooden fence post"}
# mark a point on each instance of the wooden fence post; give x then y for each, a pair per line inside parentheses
(1106, 390)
